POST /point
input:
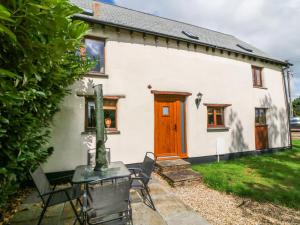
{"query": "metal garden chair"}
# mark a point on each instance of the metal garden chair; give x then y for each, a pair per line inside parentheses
(109, 202)
(50, 196)
(141, 178)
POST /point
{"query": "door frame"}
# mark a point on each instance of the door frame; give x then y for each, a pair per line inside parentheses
(178, 97)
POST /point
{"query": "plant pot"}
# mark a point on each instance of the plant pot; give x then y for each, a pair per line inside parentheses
(107, 122)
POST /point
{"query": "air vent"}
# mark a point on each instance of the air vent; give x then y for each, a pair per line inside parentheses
(190, 35)
(244, 48)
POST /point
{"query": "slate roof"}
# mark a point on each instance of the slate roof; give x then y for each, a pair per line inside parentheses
(131, 19)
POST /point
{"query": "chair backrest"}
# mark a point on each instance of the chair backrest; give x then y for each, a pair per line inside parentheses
(148, 166)
(40, 180)
(110, 196)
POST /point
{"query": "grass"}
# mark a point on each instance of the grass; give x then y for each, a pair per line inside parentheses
(269, 178)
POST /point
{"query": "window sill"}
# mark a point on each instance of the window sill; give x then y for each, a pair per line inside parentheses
(261, 125)
(260, 87)
(113, 132)
(96, 75)
(217, 129)
(93, 132)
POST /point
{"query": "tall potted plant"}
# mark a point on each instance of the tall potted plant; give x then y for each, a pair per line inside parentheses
(101, 161)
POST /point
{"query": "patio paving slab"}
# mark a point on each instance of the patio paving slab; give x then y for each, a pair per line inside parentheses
(170, 210)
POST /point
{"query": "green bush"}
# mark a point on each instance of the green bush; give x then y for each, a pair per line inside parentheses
(38, 62)
(296, 106)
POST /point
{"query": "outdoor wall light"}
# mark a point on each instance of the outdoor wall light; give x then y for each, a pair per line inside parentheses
(198, 99)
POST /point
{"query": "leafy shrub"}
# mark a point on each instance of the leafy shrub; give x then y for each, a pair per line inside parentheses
(38, 62)
(296, 106)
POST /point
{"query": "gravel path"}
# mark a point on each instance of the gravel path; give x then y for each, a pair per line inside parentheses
(224, 209)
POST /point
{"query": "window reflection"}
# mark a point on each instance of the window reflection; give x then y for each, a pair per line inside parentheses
(91, 120)
(110, 114)
(95, 51)
(215, 117)
(260, 116)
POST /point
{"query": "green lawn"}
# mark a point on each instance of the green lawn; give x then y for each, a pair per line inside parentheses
(271, 177)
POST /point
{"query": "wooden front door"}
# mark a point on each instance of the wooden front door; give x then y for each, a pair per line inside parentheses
(261, 129)
(169, 131)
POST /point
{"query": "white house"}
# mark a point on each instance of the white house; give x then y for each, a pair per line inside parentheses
(175, 89)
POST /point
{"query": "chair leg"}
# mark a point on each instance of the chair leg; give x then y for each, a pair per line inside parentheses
(75, 211)
(42, 215)
(130, 216)
(143, 194)
(149, 198)
(78, 201)
(75, 221)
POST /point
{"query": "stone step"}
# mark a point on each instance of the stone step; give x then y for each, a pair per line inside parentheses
(181, 177)
(171, 165)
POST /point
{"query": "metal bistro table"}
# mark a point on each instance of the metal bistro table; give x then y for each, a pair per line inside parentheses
(85, 174)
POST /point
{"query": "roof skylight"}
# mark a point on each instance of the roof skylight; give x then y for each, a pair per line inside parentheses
(190, 35)
(244, 48)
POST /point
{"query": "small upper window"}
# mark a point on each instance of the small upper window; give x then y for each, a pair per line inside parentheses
(215, 117)
(165, 111)
(110, 114)
(94, 50)
(257, 76)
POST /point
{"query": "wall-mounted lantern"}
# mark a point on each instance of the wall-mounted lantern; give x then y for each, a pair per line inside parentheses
(198, 99)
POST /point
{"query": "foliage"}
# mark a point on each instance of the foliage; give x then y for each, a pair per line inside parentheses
(272, 177)
(38, 62)
(296, 106)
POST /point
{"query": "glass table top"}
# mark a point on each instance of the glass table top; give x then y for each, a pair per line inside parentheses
(86, 174)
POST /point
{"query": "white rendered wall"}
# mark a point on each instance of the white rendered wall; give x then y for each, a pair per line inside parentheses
(133, 63)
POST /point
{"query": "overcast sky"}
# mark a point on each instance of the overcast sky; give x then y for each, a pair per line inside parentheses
(271, 25)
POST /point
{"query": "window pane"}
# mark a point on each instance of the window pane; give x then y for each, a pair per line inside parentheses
(253, 76)
(95, 51)
(91, 120)
(220, 121)
(110, 118)
(215, 116)
(260, 116)
(210, 110)
(165, 110)
(210, 119)
(110, 111)
(256, 115)
(258, 77)
(219, 111)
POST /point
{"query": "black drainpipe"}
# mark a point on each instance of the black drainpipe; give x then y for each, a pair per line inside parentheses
(287, 103)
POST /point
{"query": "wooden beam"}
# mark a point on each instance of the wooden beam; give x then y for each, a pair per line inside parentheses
(171, 93)
(216, 105)
(113, 97)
